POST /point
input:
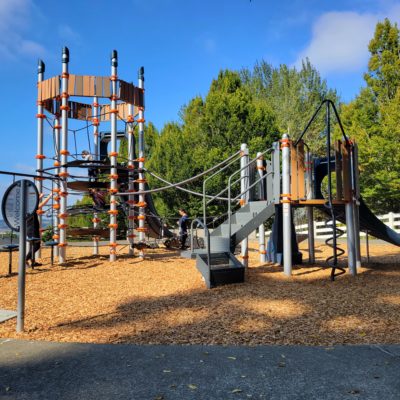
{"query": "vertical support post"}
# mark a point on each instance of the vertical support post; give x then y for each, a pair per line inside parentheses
(356, 191)
(131, 185)
(113, 157)
(64, 157)
(286, 206)
(261, 228)
(244, 184)
(367, 244)
(310, 209)
(95, 123)
(39, 155)
(351, 246)
(22, 255)
(56, 198)
(142, 201)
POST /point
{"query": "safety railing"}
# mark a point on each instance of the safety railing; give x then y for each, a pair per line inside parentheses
(206, 236)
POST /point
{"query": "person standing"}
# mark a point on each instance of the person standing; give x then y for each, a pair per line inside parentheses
(182, 223)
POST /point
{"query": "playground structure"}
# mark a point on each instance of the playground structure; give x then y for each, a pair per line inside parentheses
(278, 180)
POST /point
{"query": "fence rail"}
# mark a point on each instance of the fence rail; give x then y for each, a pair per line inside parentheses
(321, 231)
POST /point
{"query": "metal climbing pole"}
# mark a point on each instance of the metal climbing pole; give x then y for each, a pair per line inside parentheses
(244, 185)
(113, 158)
(56, 189)
(310, 209)
(131, 186)
(286, 206)
(40, 156)
(261, 228)
(64, 157)
(141, 180)
(95, 123)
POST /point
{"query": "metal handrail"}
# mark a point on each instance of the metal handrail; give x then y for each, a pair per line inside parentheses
(233, 159)
(230, 183)
(206, 233)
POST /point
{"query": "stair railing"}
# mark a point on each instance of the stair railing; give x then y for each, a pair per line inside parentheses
(230, 184)
(206, 234)
(234, 158)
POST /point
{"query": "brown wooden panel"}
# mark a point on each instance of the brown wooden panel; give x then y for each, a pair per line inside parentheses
(99, 86)
(346, 173)
(356, 170)
(293, 173)
(106, 87)
(301, 185)
(71, 85)
(79, 85)
(57, 83)
(86, 85)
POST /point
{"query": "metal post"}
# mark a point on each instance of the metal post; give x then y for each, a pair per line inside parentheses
(367, 244)
(64, 157)
(56, 198)
(261, 228)
(40, 156)
(113, 157)
(244, 184)
(286, 206)
(22, 256)
(142, 202)
(95, 123)
(310, 209)
(131, 186)
(351, 254)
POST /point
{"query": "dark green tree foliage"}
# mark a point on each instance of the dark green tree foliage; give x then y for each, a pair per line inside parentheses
(211, 129)
(373, 119)
(293, 95)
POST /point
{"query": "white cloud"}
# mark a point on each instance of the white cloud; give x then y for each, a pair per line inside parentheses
(14, 20)
(67, 33)
(340, 41)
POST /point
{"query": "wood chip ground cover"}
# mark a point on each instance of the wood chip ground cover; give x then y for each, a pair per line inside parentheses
(162, 300)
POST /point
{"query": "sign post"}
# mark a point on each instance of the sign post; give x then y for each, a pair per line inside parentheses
(20, 201)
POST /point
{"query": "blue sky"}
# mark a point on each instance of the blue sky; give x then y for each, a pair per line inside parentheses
(182, 45)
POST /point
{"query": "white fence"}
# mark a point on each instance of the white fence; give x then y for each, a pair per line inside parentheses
(322, 231)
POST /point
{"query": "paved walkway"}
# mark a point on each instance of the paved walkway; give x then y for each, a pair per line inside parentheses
(42, 370)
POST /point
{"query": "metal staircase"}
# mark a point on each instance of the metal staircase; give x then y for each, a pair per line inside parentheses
(217, 262)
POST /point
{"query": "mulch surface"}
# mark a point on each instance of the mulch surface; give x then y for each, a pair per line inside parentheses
(163, 300)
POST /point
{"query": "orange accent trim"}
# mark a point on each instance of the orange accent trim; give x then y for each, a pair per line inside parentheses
(95, 220)
(55, 237)
(40, 157)
(57, 126)
(113, 244)
(63, 174)
(141, 217)
(132, 217)
(39, 103)
(285, 201)
(62, 244)
(113, 77)
(244, 257)
(40, 212)
(130, 118)
(113, 190)
(141, 204)
(113, 154)
(56, 190)
(140, 120)
(38, 178)
(131, 166)
(57, 163)
(261, 168)
(140, 181)
(63, 216)
(64, 152)
(262, 252)
(95, 104)
(286, 195)
(113, 212)
(131, 236)
(113, 202)
(114, 97)
(40, 116)
(113, 176)
(64, 95)
(131, 202)
(58, 198)
(62, 226)
(141, 159)
(95, 121)
(242, 202)
(113, 226)
(114, 111)
(131, 191)
(141, 108)
(64, 194)
(65, 75)
(141, 229)
(64, 108)
(56, 206)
